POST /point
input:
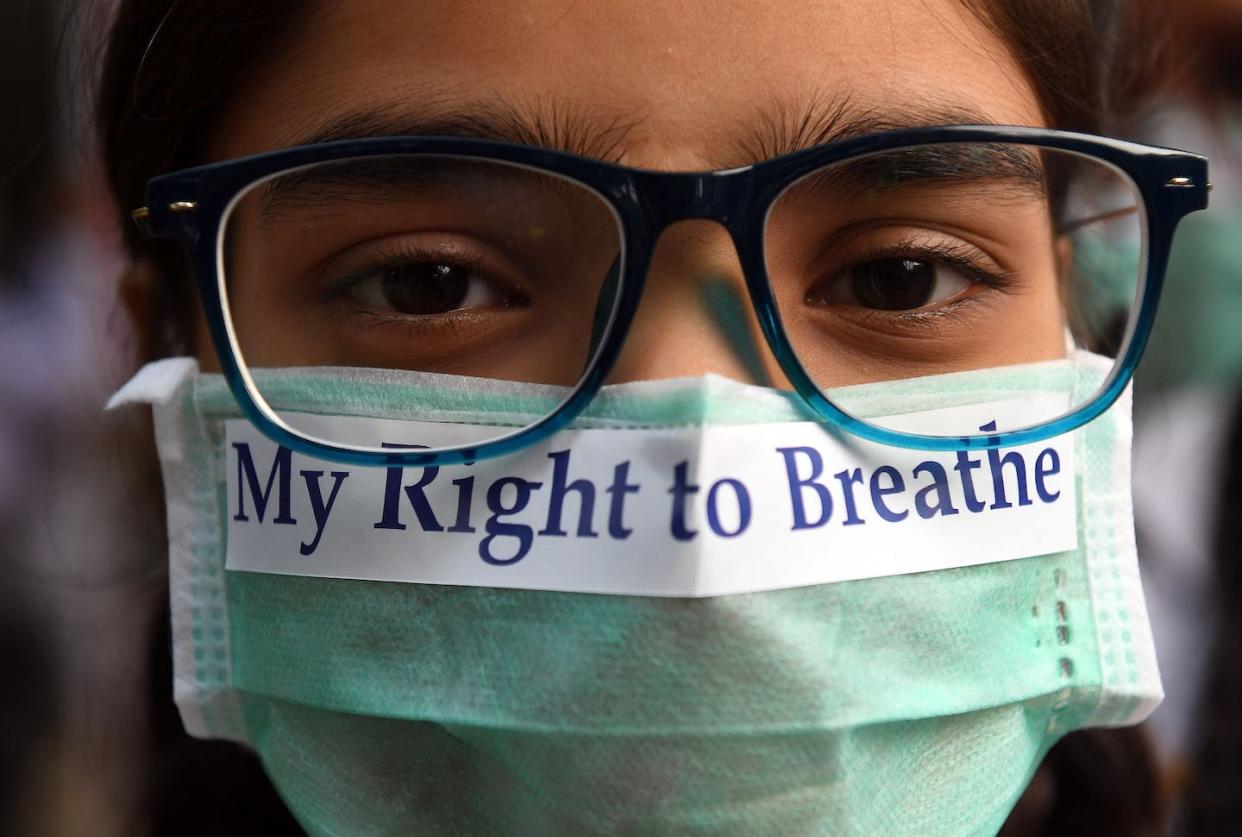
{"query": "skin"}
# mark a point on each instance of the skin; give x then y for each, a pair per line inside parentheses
(672, 86)
(1208, 12)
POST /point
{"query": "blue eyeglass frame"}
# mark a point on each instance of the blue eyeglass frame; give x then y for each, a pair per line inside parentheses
(192, 205)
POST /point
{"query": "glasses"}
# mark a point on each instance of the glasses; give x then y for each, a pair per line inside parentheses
(911, 254)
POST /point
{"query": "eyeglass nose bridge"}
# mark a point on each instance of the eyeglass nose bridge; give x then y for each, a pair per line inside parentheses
(727, 197)
(669, 197)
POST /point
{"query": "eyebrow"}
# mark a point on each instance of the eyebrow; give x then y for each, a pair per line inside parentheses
(1014, 168)
(783, 127)
(383, 178)
(775, 128)
(546, 123)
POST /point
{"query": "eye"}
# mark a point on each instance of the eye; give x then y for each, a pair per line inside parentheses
(893, 283)
(911, 277)
(425, 278)
(424, 288)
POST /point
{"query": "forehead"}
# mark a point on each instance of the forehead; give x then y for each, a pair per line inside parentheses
(676, 84)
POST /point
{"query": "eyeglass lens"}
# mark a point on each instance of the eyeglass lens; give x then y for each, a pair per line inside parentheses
(437, 271)
(920, 264)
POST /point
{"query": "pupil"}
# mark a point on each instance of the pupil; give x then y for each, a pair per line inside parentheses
(426, 287)
(894, 284)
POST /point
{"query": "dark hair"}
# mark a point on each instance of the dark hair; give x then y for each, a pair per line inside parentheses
(172, 64)
(27, 143)
(1213, 804)
(169, 67)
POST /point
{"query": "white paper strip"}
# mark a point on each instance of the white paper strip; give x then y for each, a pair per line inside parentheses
(692, 511)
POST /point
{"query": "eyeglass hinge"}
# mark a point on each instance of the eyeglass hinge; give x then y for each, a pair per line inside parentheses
(142, 217)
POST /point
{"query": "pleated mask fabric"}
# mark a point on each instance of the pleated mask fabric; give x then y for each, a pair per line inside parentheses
(917, 703)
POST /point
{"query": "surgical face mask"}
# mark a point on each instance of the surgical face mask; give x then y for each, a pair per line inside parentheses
(693, 612)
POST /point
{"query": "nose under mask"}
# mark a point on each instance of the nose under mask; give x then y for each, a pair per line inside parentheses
(782, 670)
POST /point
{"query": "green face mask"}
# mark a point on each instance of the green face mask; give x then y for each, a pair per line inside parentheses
(909, 703)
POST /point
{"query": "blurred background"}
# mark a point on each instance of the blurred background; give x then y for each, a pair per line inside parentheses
(89, 742)
(80, 558)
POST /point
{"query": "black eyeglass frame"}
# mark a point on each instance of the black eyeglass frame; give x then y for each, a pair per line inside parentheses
(192, 207)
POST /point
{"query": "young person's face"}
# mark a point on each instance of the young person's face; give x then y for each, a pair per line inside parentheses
(662, 84)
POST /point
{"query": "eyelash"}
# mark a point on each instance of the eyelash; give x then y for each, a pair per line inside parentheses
(388, 256)
(960, 257)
